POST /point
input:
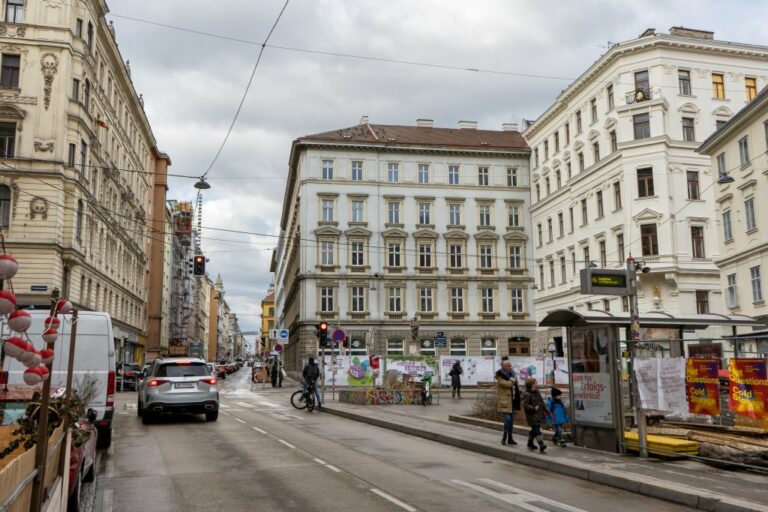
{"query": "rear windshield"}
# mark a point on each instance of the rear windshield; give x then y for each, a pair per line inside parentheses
(183, 370)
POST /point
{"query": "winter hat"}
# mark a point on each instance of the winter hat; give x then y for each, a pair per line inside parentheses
(556, 392)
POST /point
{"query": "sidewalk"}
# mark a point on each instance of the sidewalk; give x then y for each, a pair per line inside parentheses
(685, 482)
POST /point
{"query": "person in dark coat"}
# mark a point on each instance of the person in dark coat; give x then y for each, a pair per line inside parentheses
(507, 398)
(535, 410)
(280, 373)
(273, 373)
(455, 373)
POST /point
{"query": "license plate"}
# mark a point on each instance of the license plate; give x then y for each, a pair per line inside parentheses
(187, 385)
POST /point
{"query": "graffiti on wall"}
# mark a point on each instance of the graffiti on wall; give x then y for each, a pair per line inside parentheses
(380, 397)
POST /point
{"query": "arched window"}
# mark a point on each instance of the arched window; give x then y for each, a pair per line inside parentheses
(79, 220)
(5, 206)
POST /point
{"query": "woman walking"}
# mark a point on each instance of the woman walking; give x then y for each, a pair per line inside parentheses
(508, 398)
(535, 411)
(455, 374)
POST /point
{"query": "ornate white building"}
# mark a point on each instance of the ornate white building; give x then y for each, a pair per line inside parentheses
(384, 223)
(615, 170)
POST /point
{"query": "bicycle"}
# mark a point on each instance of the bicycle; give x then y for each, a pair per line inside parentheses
(301, 399)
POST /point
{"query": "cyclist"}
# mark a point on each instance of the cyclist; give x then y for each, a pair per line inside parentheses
(311, 374)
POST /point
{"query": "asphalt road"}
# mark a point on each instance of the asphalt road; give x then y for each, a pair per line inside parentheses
(264, 455)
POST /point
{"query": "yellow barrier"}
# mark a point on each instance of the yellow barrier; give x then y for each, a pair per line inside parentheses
(662, 446)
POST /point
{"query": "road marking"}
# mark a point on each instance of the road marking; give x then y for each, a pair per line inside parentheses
(333, 468)
(319, 461)
(293, 416)
(519, 497)
(245, 404)
(289, 445)
(238, 419)
(109, 470)
(225, 412)
(268, 404)
(224, 406)
(106, 500)
(257, 429)
(394, 500)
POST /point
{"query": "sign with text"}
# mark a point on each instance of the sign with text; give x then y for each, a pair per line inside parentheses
(703, 386)
(748, 387)
(605, 281)
(661, 384)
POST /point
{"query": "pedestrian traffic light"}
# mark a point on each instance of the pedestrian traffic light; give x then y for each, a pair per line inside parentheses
(322, 333)
(198, 266)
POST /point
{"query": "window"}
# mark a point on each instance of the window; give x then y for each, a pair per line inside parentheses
(394, 300)
(511, 177)
(536, 157)
(603, 254)
(581, 162)
(600, 211)
(395, 347)
(546, 185)
(393, 250)
(83, 156)
(485, 215)
(688, 134)
(578, 121)
(609, 93)
(727, 228)
(593, 109)
(617, 195)
(649, 239)
(455, 251)
(721, 170)
(454, 214)
(757, 284)
(645, 182)
(358, 299)
(642, 125)
(326, 253)
(7, 139)
(457, 300)
(515, 257)
(357, 170)
(549, 230)
(702, 302)
(551, 273)
(570, 217)
(765, 130)
(614, 141)
(87, 94)
(327, 210)
(326, 299)
(596, 151)
(71, 154)
(749, 210)
(516, 304)
(423, 173)
(357, 252)
(79, 220)
(750, 85)
(327, 169)
(620, 247)
(541, 277)
(425, 210)
(560, 225)
(14, 11)
(642, 83)
(558, 179)
(425, 300)
(684, 81)
(5, 206)
(357, 211)
(584, 218)
(9, 76)
(538, 192)
(393, 172)
(744, 150)
(453, 174)
(625, 304)
(693, 184)
(482, 176)
(393, 211)
(486, 256)
(513, 216)
(486, 300)
(731, 295)
(587, 259)
(563, 273)
(718, 86)
(568, 170)
(539, 233)
(719, 123)
(89, 40)
(488, 347)
(546, 150)
(567, 133)
(425, 255)
(79, 28)
(557, 142)
(697, 241)
(458, 347)
(76, 89)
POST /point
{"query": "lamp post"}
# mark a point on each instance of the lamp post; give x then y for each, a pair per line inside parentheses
(551, 349)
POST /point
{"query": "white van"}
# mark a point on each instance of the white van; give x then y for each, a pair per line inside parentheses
(94, 364)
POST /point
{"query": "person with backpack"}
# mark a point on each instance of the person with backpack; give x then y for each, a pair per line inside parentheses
(558, 416)
(455, 374)
(310, 375)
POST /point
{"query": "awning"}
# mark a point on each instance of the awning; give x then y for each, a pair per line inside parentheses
(754, 335)
(571, 318)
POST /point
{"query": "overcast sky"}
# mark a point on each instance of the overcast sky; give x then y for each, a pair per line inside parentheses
(193, 83)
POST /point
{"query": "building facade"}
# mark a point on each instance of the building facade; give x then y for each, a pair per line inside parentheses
(77, 164)
(739, 153)
(383, 223)
(615, 171)
(267, 320)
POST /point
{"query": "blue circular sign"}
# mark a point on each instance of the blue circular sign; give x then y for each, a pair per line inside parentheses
(339, 335)
(283, 334)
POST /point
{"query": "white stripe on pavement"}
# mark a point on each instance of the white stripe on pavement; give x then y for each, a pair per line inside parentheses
(245, 404)
(224, 412)
(257, 429)
(319, 461)
(224, 406)
(333, 468)
(238, 419)
(394, 500)
(267, 404)
(286, 443)
(518, 497)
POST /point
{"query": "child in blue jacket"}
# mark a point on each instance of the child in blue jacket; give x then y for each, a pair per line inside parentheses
(558, 415)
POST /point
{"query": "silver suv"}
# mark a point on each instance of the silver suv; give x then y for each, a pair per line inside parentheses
(178, 384)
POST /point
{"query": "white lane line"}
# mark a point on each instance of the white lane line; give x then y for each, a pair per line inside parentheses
(238, 419)
(319, 461)
(517, 496)
(245, 404)
(257, 429)
(224, 406)
(267, 404)
(294, 416)
(286, 443)
(106, 500)
(394, 500)
(333, 468)
(224, 412)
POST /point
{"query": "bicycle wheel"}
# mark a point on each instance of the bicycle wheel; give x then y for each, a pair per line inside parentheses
(310, 401)
(297, 400)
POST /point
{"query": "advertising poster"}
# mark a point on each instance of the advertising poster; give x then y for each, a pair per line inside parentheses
(661, 384)
(415, 366)
(647, 376)
(748, 388)
(476, 369)
(702, 386)
(349, 371)
(706, 351)
(527, 367)
(592, 398)
(589, 350)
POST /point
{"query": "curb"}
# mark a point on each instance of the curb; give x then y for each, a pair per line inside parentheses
(495, 425)
(652, 487)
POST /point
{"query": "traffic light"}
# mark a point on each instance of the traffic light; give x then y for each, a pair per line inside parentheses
(198, 265)
(322, 333)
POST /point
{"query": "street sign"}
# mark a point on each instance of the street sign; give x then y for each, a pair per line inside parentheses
(604, 281)
(338, 335)
(282, 335)
(278, 347)
(274, 334)
(441, 342)
(440, 334)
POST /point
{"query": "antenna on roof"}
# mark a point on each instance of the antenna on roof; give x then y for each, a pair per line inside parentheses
(364, 120)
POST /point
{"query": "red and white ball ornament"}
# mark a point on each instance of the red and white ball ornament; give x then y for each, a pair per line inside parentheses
(31, 358)
(44, 373)
(33, 376)
(50, 335)
(47, 355)
(63, 307)
(8, 266)
(19, 320)
(7, 302)
(15, 347)
(51, 321)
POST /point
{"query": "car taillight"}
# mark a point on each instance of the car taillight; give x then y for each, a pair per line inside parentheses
(111, 386)
(212, 381)
(156, 382)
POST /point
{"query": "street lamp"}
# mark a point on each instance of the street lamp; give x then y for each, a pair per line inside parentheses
(551, 348)
(202, 184)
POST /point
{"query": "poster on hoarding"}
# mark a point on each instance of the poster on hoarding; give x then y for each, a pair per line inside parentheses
(661, 384)
(748, 388)
(353, 371)
(647, 377)
(528, 367)
(414, 367)
(589, 350)
(476, 369)
(706, 351)
(703, 386)
(592, 398)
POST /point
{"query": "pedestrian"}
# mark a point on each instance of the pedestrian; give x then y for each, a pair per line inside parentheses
(280, 374)
(273, 372)
(558, 415)
(535, 410)
(455, 373)
(508, 398)
(311, 374)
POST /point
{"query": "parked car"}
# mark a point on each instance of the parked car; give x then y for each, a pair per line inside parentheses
(82, 460)
(221, 371)
(94, 364)
(127, 376)
(178, 385)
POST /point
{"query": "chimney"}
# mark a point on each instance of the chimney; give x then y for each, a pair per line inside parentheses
(424, 123)
(509, 127)
(468, 125)
(364, 120)
(691, 32)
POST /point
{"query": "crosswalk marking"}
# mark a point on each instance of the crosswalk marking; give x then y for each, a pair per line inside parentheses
(520, 498)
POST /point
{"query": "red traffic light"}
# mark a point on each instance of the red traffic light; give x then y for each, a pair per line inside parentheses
(323, 326)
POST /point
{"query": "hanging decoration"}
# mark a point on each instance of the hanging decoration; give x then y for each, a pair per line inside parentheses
(7, 302)
(51, 321)
(15, 347)
(33, 376)
(63, 307)
(8, 266)
(19, 320)
(47, 355)
(50, 335)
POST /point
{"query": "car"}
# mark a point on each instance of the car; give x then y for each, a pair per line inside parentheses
(127, 376)
(211, 369)
(221, 371)
(178, 385)
(82, 459)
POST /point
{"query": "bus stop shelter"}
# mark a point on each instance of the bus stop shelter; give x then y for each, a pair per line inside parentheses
(598, 355)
